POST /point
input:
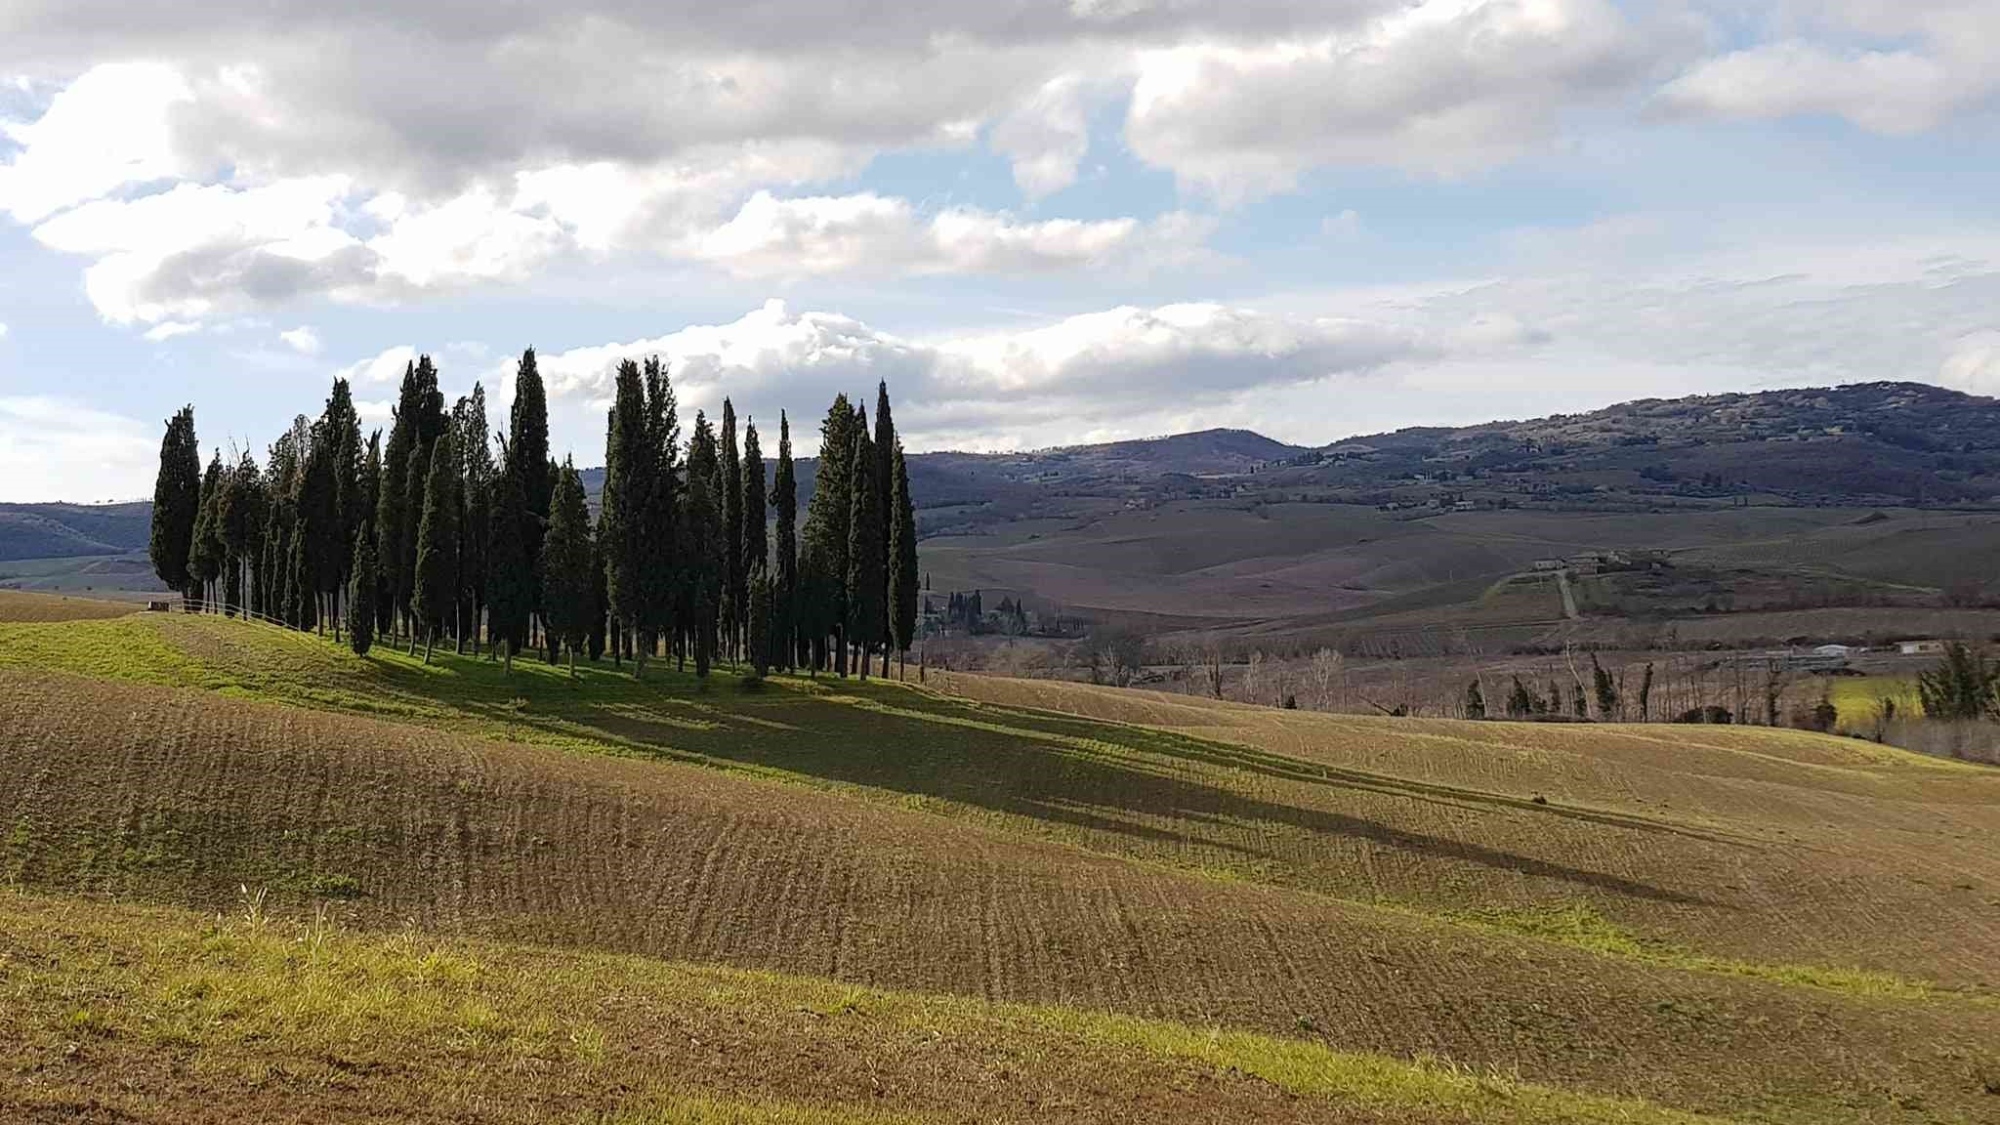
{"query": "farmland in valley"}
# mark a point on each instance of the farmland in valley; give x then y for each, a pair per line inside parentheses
(1218, 912)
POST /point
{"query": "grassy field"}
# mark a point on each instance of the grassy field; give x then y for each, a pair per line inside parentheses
(16, 605)
(1736, 923)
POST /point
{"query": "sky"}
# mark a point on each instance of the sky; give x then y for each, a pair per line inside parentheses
(1042, 222)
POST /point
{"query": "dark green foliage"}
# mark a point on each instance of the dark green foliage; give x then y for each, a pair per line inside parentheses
(661, 571)
(1646, 693)
(241, 520)
(1522, 701)
(785, 556)
(419, 420)
(867, 590)
(755, 551)
(600, 597)
(361, 594)
(510, 584)
(701, 561)
(301, 610)
(729, 489)
(1961, 686)
(631, 470)
(903, 570)
(758, 628)
(473, 443)
(176, 501)
(569, 590)
(436, 592)
(1605, 688)
(526, 458)
(1475, 701)
(822, 594)
(205, 552)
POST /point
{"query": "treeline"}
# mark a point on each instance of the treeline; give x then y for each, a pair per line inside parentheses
(427, 536)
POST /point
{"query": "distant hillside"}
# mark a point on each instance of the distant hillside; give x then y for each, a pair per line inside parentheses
(47, 531)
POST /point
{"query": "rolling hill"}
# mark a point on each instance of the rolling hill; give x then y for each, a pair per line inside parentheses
(382, 885)
(1878, 498)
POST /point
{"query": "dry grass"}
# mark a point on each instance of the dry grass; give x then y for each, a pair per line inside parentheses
(886, 837)
(1748, 844)
(17, 605)
(118, 1014)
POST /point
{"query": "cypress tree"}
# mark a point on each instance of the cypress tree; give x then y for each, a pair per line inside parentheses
(757, 630)
(176, 504)
(903, 572)
(661, 578)
(205, 550)
(730, 480)
(528, 460)
(319, 513)
(600, 596)
(866, 582)
(629, 469)
(510, 587)
(437, 545)
(784, 594)
(885, 485)
(392, 515)
(368, 498)
(568, 588)
(298, 582)
(823, 600)
(361, 594)
(473, 442)
(756, 535)
(416, 485)
(242, 517)
(701, 542)
(340, 428)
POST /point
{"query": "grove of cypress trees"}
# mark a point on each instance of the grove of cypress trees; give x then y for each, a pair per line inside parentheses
(568, 587)
(903, 573)
(392, 513)
(242, 518)
(361, 594)
(884, 469)
(730, 480)
(176, 504)
(866, 589)
(784, 593)
(473, 442)
(436, 589)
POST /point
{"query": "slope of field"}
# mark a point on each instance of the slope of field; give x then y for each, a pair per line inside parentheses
(122, 1014)
(16, 605)
(888, 837)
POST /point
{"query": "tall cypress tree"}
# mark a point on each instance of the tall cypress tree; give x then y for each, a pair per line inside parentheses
(342, 427)
(731, 482)
(326, 553)
(661, 578)
(885, 469)
(903, 573)
(701, 536)
(437, 544)
(473, 443)
(241, 520)
(528, 460)
(392, 515)
(630, 465)
(176, 503)
(755, 557)
(510, 586)
(568, 587)
(361, 594)
(823, 578)
(784, 593)
(866, 582)
(205, 550)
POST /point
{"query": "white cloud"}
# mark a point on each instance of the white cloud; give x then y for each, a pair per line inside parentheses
(1046, 137)
(58, 449)
(771, 237)
(3, 331)
(168, 329)
(1125, 370)
(1439, 87)
(384, 368)
(1973, 364)
(105, 130)
(1891, 66)
(302, 339)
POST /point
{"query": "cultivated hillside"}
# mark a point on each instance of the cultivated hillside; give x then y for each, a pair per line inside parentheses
(1730, 922)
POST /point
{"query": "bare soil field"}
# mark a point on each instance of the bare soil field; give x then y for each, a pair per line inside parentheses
(1705, 919)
